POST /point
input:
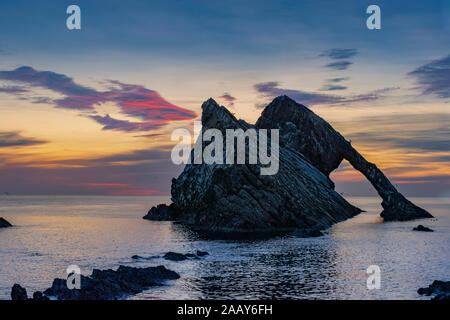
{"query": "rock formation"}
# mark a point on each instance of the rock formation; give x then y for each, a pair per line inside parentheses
(422, 228)
(440, 290)
(103, 284)
(300, 197)
(4, 223)
(325, 148)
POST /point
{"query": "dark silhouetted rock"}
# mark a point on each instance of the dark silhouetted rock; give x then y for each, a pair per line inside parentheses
(422, 228)
(4, 223)
(202, 253)
(439, 289)
(110, 284)
(103, 284)
(38, 296)
(174, 256)
(18, 293)
(162, 212)
(300, 197)
(306, 132)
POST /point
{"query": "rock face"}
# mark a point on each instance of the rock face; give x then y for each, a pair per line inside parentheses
(439, 289)
(103, 284)
(325, 148)
(300, 197)
(4, 223)
(162, 212)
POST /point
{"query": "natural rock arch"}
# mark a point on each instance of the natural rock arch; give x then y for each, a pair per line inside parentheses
(303, 130)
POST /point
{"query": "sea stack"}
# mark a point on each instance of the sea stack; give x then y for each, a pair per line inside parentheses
(4, 223)
(300, 197)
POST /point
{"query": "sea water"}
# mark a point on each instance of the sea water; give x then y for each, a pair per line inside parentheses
(52, 232)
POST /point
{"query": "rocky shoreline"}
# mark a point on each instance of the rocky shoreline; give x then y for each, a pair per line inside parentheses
(110, 284)
(103, 284)
(440, 290)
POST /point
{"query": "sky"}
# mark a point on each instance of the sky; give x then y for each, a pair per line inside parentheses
(91, 111)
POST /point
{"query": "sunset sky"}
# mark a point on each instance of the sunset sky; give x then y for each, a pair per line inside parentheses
(91, 111)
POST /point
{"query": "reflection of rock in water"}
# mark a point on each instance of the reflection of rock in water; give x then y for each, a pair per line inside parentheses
(293, 274)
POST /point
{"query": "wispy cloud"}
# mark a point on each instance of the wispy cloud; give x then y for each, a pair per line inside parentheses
(272, 89)
(133, 100)
(339, 65)
(15, 139)
(110, 123)
(338, 54)
(329, 87)
(229, 98)
(434, 77)
(337, 80)
(340, 57)
(13, 90)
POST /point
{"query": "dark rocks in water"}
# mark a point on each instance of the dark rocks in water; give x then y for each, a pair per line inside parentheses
(4, 223)
(161, 212)
(103, 284)
(422, 228)
(18, 293)
(38, 296)
(174, 256)
(300, 197)
(136, 257)
(439, 289)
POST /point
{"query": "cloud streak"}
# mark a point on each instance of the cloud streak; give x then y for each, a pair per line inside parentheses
(15, 139)
(272, 89)
(434, 77)
(133, 100)
(229, 98)
(339, 65)
(338, 54)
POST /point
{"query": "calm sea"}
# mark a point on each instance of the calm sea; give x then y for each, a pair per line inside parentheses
(53, 232)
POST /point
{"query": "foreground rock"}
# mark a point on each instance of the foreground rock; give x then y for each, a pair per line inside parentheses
(439, 289)
(18, 293)
(422, 228)
(4, 223)
(104, 284)
(299, 198)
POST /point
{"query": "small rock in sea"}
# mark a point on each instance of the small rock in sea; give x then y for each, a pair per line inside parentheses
(202, 253)
(4, 223)
(422, 228)
(174, 256)
(38, 296)
(135, 257)
(18, 292)
(440, 290)
(161, 212)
